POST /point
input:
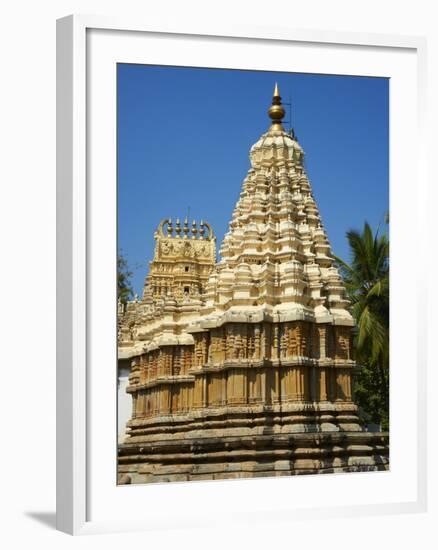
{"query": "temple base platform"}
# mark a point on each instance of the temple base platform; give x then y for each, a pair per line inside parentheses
(261, 446)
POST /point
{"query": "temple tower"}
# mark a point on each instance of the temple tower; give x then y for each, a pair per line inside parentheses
(266, 387)
(183, 259)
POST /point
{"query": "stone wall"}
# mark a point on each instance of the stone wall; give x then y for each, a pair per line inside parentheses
(240, 364)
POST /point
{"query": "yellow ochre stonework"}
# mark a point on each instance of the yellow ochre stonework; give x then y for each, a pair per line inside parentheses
(243, 367)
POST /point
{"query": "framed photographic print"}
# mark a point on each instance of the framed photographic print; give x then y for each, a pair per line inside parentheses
(233, 259)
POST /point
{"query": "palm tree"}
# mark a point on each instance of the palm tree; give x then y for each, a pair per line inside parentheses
(367, 283)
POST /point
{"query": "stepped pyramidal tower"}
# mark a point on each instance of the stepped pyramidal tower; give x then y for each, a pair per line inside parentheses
(243, 367)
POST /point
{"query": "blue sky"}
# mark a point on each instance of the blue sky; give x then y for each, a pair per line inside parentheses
(184, 136)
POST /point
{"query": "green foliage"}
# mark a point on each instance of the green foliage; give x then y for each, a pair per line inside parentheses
(371, 394)
(124, 288)
(367, 282)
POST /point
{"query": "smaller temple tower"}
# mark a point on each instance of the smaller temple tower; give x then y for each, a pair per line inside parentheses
(183, 259)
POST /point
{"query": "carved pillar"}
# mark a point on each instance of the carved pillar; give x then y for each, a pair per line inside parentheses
(183, 366)
(322, 331)
(343, 384)
(238, 386)
(140, 405)
(204, 391)
(211, 393)
(147, 411)
(286, 383)
(245, 352)
(171, 350)
(283, 341)
(165, 399)
(206, 347)
(190, 396)
(175, 398)
(323, 384)
(197, 391)
(256, 353)
(275, 342)
(259, 385)
(255, 385)
(177, 360)
(224, 376)
(348, 390)
(229, 353)
(160, 365)
(146, 368)
(230, 387)
(156, 402)
(134, 405)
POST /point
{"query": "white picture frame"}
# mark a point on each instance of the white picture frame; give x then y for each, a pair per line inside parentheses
(75, 215)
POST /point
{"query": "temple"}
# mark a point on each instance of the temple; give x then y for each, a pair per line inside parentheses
(243, 367)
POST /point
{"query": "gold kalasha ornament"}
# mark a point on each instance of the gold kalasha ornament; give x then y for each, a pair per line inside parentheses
(276, 111)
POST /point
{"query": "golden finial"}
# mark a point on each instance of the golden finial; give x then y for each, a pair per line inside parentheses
(276, 110)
